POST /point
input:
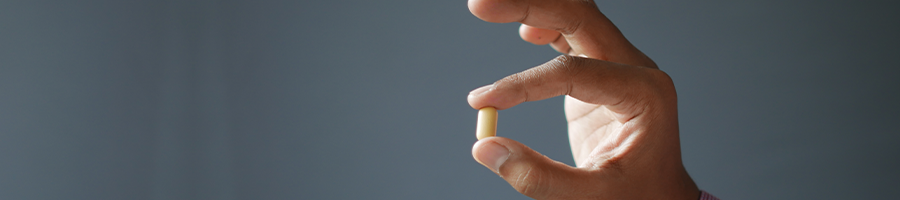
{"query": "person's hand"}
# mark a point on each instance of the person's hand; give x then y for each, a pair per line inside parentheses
(621, 110)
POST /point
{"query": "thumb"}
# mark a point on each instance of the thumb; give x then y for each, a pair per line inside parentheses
(529, 172)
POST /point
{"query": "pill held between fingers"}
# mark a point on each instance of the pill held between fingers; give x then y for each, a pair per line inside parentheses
(487, 123)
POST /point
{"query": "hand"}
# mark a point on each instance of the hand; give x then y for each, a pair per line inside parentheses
(621, 110)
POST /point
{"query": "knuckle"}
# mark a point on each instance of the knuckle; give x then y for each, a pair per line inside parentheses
(570, 27)
(511, 79)
(661, 76)
(653, 90)
(564, 60)
(514, 82)
(661, 91)
(568, 64)
(661, 80)
(569, 67)
(530, 183)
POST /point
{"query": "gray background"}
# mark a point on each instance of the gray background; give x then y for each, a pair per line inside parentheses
(209, 99)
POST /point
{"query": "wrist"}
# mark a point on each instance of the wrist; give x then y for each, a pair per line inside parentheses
(689, 189)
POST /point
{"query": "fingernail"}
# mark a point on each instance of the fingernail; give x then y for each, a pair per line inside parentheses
(481, 90)
(493, 156)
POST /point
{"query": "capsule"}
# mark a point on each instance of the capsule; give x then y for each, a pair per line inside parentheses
(487, 123)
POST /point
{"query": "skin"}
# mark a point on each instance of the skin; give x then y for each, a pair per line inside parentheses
(621, 109)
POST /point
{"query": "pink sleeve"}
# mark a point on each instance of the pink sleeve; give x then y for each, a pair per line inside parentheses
(707, 196)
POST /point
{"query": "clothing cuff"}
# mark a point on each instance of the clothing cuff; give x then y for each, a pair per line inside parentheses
(707, 196)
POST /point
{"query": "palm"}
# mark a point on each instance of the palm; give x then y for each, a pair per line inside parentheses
(593, 132)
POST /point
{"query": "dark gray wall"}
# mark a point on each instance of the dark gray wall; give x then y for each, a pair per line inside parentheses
(209, 99)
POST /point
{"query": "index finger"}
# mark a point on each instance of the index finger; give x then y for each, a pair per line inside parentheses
(622, 88)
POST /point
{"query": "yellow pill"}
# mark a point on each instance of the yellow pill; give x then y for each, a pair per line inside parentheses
(487, 123)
